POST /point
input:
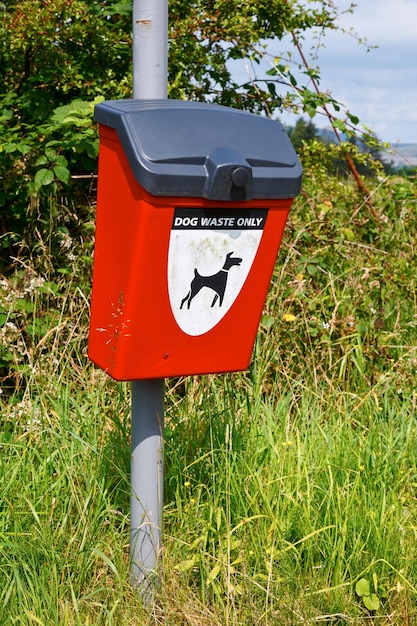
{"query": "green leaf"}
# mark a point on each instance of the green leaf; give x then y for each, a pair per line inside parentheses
(119, 8)
(51, 154)
(362, 587)
(23, 148)
(310, 110)
(353, 118)
(43, 177)
(312, 269)
(61, 160)
(53, 142)
(24, 305)
(62, 173)
(271, 72)
(186, 565)
(349, 234)
(70, 113)
(42, 160)
(6, 115)
(213, 574)
(339, 125)
(49, 287)
(371, 602)
(267, 321)
(10, 147)
(91, 148)
(272, 89)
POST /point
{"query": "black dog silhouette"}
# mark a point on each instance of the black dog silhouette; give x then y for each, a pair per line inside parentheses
(216, 282)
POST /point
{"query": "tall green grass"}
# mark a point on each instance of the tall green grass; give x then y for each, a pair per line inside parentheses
(284, 486)
(287, 507)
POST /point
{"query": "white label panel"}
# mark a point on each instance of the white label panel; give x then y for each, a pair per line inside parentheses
(210, 255)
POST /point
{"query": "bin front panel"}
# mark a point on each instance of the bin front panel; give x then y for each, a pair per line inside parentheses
(148, 318)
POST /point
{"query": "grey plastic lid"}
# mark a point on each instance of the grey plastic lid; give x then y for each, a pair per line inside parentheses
(194, 149)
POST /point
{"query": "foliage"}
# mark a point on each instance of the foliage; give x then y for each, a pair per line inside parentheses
(51, 55)
(204, 36)
(57, 156)
(59, 57)
(367, 308)
(303, 131)
(53, 51)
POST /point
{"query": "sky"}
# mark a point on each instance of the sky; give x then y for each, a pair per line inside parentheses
(379, 86)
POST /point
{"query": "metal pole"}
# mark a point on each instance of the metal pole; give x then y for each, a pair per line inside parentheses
(150, 49)
(147, 475)
(150, 76)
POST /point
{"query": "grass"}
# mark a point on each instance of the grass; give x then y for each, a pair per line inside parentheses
(284, 486)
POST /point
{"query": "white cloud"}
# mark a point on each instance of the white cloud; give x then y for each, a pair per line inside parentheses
(384, 21)
(380, 86)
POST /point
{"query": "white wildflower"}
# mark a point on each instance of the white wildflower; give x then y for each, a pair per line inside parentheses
(33, 284)
(66, 241)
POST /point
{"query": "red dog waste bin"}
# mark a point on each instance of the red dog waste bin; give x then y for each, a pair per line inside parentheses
(192, 202)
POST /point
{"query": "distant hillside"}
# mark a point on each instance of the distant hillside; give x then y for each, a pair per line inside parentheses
(403, 154)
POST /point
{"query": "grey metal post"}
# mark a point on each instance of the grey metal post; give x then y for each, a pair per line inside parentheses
(147, 475)
(150, 49)
(150, 76)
